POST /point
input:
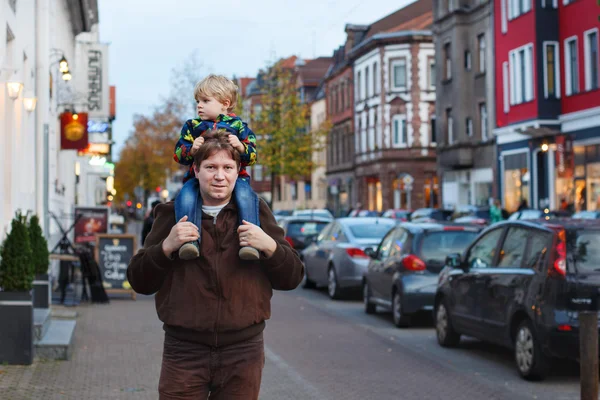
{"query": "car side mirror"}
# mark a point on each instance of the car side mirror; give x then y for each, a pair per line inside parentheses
(371, 253)
(455, 261)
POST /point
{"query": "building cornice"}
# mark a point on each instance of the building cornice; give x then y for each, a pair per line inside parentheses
(84, 15)
(389, 38)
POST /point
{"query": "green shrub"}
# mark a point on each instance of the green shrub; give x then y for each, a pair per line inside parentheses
(16, 267)
(39, 246)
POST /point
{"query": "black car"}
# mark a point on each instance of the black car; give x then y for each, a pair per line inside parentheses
(301, 231)
(530, 214)
(519, 284)
(431, 215)
(403, 271)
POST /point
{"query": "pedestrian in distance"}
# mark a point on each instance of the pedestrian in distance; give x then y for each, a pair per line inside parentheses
(148, 221)
(214, 307)
(496, 212)
(216, 97)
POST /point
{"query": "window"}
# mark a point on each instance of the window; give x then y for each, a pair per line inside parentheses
(504, 23)
(551, 71)
(481, 47)
(399, 69)
(571, 63)
(451, 5)
(375, 73)
(437, 245)
(591, 59)
(367, 92)
(432, 75)
(538, 250)
(469, 127)
(483, 118)
(386, 246)
(467, 60)
(482, 254)
(521, 75)
(450, 126)
(308, 190)
(433, 132)
(517, 8)
(505, 87)
(400, 131)
(513, 248)
(447, 62)
(358, 82)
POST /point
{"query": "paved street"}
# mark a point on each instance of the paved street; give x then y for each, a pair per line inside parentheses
(316, 349)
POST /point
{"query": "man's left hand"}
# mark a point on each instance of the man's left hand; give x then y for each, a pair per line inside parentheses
(251, 235)
(235, 142)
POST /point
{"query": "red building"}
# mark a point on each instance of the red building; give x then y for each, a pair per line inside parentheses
(548, 103)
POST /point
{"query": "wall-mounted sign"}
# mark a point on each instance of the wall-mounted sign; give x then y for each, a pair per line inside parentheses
(93, 221)
(564, 157)
(92, 78)
(73, 131)
(98, 126)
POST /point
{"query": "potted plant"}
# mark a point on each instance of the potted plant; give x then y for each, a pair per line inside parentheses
(41, 262)
(16, 305)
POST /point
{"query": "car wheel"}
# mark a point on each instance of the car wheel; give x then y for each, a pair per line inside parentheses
(333, 288)
(531, 362)
(401, 320)
(370, 308)
(446, 335)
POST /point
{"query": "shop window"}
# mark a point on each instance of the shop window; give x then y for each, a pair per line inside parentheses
(516, 180)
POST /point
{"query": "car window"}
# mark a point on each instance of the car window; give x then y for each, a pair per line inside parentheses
(400, 242)
(585, 215)
(538, 250)
(371, 230)
(481, 255)
(388, 214)
(304, 228)
(325, 233)
(385, 247)
(437, 245)
(336, 233)
(587, 251)
(514, 216)
(513, 248)
(531, 214)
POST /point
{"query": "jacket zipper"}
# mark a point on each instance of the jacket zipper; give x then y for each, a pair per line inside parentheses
(217, 275)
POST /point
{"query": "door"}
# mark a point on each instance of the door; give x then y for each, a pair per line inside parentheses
(467, 287)
(376, 266)
(505, 283)
(323, 254)
(400, 247)
(311, 253)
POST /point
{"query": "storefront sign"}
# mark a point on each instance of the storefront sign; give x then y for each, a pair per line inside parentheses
(93, 221)
(73, 131)
(564, 157)
(93, 81)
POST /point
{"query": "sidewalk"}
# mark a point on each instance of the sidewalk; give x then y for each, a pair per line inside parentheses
(117, 355)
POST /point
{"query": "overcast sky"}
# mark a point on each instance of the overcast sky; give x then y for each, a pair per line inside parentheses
(148, 38)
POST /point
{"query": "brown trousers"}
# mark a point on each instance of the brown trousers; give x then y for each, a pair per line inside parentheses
(196, 371)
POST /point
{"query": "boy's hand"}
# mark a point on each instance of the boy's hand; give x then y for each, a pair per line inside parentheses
(235, 142)
(199, 141)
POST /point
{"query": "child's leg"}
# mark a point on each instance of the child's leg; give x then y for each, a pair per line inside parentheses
(186, 203)
(247, 203)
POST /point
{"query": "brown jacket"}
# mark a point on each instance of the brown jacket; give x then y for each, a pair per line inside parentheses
(216, 299)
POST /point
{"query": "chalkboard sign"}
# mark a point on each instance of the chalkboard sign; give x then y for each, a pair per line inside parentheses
(113, 253)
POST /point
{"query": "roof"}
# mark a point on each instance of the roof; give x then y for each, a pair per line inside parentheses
(566, 223)
(365, 220)
(243, 84)
(313, 71)
(435, 226)
(409, 17)
(289, 62)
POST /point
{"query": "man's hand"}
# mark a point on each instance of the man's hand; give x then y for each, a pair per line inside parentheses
(251, 235)
(235, 142)
(181, 233)
(199, 141)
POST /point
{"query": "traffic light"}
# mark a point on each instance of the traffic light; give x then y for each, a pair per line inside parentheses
(129, 203)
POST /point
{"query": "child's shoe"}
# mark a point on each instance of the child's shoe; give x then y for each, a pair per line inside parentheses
(189, 251)
(249, 253)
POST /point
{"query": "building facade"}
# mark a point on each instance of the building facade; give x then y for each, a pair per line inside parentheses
(548, 103)
(464, 120)
(339, 93)
(394, 103)
(37, 174)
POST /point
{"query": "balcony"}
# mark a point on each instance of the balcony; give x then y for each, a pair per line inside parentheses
(456, 157)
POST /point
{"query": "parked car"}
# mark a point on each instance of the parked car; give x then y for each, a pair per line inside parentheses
(337, 258)
(519, 285)
(403, 273)
(301, 231)
(318, 212)
(472, 215)
(363, 213)
(586, 215)
(431, 215)
(400, 215)
(529, 214)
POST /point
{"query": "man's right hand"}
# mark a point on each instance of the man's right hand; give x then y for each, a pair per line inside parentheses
(181, 233)
(199, 141)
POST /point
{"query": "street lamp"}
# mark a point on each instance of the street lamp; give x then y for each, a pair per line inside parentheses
(14, 88)
(29, 101)
(63, 65)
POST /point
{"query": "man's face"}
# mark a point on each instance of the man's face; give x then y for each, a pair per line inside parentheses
(210, 108)
(217, 175)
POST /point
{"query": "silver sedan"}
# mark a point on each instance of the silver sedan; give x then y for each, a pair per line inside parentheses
(337, 257)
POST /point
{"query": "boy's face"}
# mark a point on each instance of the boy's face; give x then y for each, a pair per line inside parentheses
(210, 108)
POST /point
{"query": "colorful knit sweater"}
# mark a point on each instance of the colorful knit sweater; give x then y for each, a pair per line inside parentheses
(194, 128)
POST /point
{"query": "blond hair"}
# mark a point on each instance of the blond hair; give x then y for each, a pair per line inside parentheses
(219, 87)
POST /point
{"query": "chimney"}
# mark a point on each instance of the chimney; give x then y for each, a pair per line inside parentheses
(354, 34)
